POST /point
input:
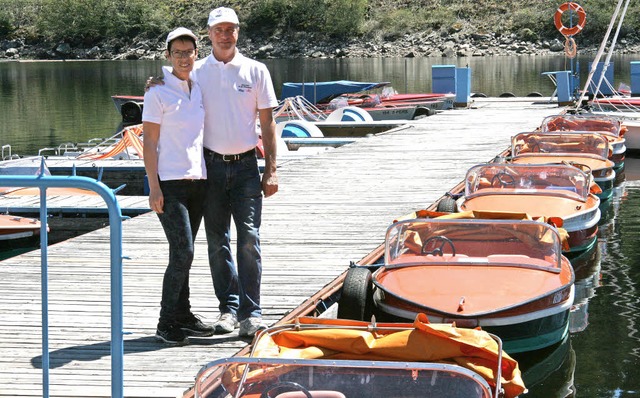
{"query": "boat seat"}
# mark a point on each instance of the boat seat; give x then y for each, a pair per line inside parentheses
(349, 114)
(297, 129)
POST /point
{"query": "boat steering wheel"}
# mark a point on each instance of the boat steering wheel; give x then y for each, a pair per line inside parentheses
(434, 246)
(502, 180)
(284, 385)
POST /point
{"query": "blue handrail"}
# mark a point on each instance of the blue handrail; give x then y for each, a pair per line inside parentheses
(115, 223)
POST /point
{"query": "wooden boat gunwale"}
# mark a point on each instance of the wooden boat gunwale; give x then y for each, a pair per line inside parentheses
(524, 310)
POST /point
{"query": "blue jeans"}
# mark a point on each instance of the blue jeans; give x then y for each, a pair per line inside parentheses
(234, 190)
(183, 204)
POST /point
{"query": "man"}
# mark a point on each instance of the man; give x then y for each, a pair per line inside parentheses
(236, 90)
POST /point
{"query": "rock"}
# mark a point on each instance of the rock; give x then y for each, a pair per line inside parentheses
(449, 53)
(12, 52)
(94, 52)
(556, 46)
(63, 49)
(7, 44)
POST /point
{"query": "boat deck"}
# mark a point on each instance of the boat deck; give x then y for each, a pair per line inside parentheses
(331, 209)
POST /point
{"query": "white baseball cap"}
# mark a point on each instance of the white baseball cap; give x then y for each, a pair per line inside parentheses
(180, 32)
(223, 14)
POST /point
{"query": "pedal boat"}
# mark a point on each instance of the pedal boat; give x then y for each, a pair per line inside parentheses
(576, 147)
(333, 358)
(612, 128)
(560, 193)
(508, 277)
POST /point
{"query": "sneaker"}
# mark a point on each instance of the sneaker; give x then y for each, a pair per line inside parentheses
(251, 325)
(171, 334)
(192, 325)
(226, 323)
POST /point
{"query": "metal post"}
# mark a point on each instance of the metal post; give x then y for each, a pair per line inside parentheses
(44, 287)
(115, 224)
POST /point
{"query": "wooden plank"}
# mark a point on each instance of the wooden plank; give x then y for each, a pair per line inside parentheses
(332, 208)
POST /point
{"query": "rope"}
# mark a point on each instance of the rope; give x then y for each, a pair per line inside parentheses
(607, 62)
(599, 54)
(570, 48)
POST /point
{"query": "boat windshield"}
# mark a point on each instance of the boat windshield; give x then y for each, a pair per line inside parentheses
(264, 377)
(582, 143)
(538, 179)
(521, 243)
(606, 124)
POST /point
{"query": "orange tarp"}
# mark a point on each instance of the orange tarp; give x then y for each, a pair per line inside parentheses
(421, 342)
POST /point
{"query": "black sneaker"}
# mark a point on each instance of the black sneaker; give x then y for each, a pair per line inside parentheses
(171, 334)
(193, 326)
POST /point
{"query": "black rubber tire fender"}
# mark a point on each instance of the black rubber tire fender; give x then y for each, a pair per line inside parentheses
(447, 205)
(422, 112)
(131, 112)
(357, 295)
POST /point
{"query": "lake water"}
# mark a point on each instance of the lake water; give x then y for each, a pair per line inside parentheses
(44, 104)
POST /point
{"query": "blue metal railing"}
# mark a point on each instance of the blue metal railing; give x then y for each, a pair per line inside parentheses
(115, 222)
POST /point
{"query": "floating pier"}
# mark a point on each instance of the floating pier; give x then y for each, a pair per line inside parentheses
(332, 208)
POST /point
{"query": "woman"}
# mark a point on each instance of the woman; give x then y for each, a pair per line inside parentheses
(173, 119)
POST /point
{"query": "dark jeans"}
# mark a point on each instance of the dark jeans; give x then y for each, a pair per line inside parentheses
(234, 190)
(183, 204)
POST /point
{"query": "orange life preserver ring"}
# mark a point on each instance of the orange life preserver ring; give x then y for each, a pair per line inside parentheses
(582, 18)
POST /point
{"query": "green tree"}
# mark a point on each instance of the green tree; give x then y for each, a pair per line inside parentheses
(93, 20)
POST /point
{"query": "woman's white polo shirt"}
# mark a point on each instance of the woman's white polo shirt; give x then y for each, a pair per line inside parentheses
(180, 114)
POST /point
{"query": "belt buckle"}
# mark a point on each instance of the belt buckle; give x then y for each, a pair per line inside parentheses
(230, 158)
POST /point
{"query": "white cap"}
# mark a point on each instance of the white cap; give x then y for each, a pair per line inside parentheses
(180, 32)
(223, 14)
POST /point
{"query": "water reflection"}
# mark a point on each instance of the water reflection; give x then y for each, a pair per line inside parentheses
(45, 104)
(623, 255)
(587, 270)
(601, 356)
(608, 348)
(550, 372)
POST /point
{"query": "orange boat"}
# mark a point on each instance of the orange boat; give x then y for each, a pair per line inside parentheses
(589, 149)
(18, 231)
(558, 192)
(333, 358)
(507, 276)
(612, 128)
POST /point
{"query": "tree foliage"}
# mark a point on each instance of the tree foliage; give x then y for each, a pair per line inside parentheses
(93, 20)
(86, 21)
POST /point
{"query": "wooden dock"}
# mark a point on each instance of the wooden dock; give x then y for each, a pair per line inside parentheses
(331, 209)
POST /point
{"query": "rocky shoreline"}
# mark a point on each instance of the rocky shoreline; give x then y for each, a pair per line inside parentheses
(304, 45)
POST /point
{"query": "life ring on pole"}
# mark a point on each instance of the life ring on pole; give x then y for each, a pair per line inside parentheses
(582, 18)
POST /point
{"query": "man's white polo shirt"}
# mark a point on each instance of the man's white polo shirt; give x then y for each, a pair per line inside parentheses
(180, 114)
(232, 94)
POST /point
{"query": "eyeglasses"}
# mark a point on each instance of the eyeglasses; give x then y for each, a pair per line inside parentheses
(183, 54)
(224, 31)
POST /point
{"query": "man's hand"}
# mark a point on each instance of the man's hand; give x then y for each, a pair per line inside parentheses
(269, 183)
(153, 81)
